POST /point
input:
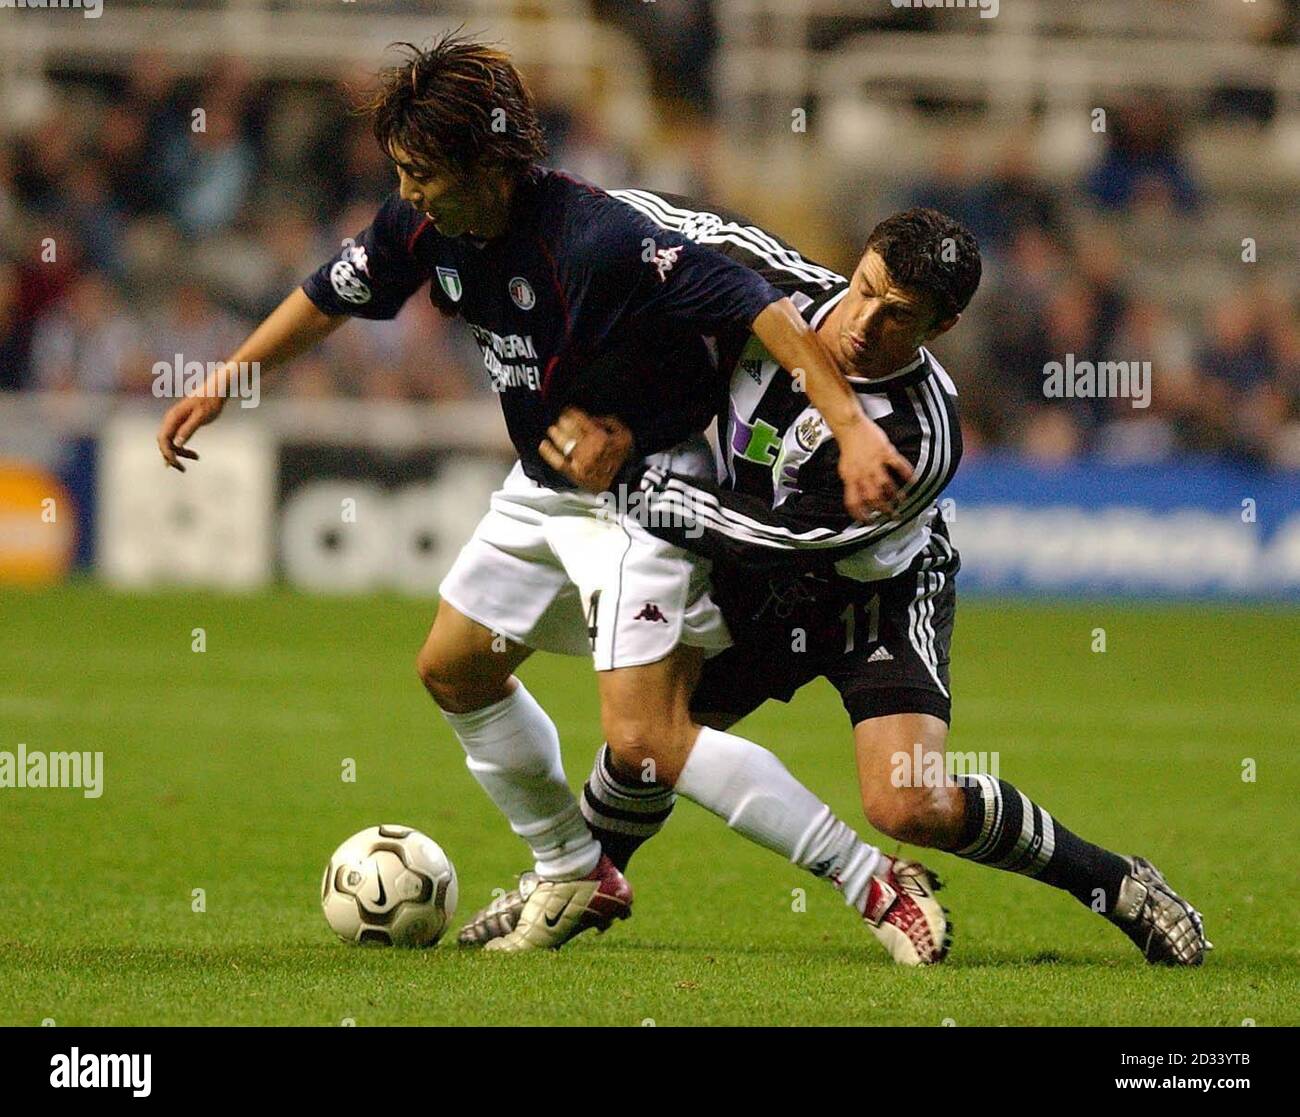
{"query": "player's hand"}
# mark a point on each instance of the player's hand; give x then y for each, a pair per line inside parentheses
(183, 418)
(588, 450)
(872, 470)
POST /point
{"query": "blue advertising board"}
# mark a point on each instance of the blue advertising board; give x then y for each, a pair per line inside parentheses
(1196, 528)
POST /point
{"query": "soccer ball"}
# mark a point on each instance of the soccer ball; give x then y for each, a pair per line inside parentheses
(389, 885)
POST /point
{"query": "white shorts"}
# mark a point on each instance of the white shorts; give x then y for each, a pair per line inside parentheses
(555, 571)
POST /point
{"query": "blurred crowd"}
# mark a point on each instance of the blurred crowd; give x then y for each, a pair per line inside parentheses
(132, 230)
(1066, 275)
(138, 230)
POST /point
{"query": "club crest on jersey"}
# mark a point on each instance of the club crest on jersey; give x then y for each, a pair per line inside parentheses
(521, 293)
(449, 281)
(345, 274)
(810, 432)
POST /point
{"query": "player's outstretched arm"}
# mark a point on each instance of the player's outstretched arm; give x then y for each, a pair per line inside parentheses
(291, 328)
(870, 466)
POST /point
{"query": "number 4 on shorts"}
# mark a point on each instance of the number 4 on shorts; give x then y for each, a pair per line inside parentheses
(592, 610)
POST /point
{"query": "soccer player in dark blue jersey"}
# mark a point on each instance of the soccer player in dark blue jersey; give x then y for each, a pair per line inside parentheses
(576, 299)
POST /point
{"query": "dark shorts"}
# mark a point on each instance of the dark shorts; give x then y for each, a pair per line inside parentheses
(883, 645)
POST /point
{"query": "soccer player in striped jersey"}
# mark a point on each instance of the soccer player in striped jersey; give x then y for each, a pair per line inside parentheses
(809, 592)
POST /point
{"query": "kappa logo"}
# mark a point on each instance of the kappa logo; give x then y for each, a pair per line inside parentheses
(651, 612)
(664, 260)
(521, 293)
(345, 275)
(449, 281)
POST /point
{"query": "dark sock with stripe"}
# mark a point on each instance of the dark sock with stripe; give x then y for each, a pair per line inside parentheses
(623, 816)
(1004, 829)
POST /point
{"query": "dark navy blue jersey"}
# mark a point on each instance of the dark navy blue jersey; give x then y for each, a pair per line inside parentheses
(583, 301)
(808, 284)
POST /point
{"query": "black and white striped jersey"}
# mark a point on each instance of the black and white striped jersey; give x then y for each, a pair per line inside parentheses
(779, 501)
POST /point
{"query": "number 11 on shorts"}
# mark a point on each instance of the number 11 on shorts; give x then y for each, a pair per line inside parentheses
(850, 619)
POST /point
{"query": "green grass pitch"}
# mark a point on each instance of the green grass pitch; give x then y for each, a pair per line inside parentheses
(223, 772)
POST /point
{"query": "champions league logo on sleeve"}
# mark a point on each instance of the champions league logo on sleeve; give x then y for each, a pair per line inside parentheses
(345, 275)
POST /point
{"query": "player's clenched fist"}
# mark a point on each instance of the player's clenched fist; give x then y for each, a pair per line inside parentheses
(873, 471)
(183, 418)
(588, 450)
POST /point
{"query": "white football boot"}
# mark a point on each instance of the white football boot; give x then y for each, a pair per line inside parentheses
(901, 912)
(904, 915)
(557, 910)
(501, 916)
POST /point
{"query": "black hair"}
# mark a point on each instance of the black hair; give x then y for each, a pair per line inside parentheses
(928, 251)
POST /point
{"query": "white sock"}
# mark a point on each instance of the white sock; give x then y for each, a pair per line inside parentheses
(513, 749)
(756, 795)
